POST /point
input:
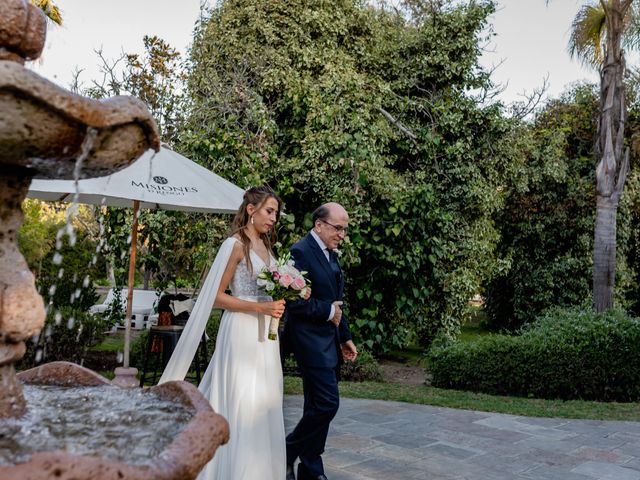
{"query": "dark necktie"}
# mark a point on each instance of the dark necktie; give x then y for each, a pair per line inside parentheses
(333, 261)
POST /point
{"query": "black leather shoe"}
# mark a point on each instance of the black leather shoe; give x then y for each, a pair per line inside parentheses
(290, 474)
(305, 474)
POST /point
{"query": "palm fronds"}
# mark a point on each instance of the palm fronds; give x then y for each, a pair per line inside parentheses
(587, 35)
(50, 10)
(588, 31)
(631, 38)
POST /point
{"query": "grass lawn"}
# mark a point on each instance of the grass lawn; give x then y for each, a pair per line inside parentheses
(412, 356)
(112, 343)
(472, 330)
(438, 397)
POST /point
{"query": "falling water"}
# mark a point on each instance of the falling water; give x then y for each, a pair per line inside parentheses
(68, 230)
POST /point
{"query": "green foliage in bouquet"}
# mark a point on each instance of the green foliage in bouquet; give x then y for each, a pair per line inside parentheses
(283, 281)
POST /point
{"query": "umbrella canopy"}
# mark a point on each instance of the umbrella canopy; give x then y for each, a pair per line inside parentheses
(165, 180)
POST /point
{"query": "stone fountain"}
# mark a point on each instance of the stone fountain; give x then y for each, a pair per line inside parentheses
(48, 132)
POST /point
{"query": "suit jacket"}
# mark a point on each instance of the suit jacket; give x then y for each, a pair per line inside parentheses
(314, 340)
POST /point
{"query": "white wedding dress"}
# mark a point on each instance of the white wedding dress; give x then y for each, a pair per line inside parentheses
(246, 389)
(243, 382)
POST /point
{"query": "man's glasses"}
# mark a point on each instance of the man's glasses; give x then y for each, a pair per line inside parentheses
(338, 228)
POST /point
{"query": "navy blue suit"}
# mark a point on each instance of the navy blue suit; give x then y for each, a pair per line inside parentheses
(315, 342)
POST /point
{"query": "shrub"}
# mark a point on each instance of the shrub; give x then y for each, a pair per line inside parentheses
(69, 283)
(67, 334)
(139, 345)
(138, 350)
(290, 367)
(568, 353)
(365, 368)
(115, 311)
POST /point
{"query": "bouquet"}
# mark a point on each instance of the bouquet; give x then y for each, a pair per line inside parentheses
(282, 281)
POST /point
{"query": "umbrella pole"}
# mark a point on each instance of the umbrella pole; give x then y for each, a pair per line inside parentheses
(125, 376)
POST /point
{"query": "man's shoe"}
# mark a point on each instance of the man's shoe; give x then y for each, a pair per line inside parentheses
(305, 474)
(290, 474)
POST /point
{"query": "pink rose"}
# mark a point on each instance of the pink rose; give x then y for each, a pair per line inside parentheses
(285, 280)
(276, 275)
(298, 283)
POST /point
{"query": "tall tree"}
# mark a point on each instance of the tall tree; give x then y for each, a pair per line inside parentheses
(156, 77)
(598, 32)
(546, 225)
(372, 107)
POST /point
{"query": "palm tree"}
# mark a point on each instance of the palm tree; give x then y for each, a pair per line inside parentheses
(599, 31)
(50, 10)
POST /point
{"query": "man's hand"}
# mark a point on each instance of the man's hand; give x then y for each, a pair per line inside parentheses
(337, 316)
(349, 351)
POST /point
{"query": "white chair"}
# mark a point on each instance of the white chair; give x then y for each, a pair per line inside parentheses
(102, 307)
(143, 305)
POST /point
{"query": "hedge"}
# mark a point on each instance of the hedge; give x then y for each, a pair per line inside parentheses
(570, 353)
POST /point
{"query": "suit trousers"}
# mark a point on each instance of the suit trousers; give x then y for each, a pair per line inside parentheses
(321, 402)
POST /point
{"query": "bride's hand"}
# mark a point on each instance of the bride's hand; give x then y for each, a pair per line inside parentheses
(273, 309)
(307, 294)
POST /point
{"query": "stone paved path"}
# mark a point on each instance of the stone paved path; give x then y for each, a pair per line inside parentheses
(372, 439)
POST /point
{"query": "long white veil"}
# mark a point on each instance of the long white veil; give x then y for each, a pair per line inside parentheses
(185, 350)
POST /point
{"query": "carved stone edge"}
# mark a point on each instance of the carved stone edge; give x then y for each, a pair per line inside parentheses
(100, 114)
(194, 446)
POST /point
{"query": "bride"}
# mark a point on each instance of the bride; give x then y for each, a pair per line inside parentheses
(244, 379)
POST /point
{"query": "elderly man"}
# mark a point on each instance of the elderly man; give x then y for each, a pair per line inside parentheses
(319, 336)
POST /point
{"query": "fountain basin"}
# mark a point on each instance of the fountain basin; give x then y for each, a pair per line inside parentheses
(183, 458)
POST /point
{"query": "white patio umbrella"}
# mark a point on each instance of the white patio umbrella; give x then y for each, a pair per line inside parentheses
(164, 180)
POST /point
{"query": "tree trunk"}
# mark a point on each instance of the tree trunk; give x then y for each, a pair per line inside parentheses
(612, 168)
(146, 278)
(111, 275)
(604, 254)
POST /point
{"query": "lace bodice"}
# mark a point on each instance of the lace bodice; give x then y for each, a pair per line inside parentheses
(244, 282)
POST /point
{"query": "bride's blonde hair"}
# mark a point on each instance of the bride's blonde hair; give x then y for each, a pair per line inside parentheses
(255, 196)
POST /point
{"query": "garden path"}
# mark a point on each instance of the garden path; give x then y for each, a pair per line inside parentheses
(378, 440)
